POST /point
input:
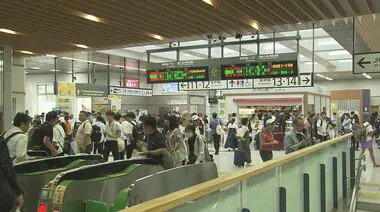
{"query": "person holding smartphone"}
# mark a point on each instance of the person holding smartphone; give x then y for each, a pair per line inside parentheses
(296, 139)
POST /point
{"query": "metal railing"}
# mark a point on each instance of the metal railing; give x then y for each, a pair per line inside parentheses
(355, 191)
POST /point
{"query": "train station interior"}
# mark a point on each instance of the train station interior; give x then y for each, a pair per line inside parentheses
(190, 105)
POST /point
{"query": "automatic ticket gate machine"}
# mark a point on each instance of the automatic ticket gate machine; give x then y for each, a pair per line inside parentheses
(101, 182)
(33, 175)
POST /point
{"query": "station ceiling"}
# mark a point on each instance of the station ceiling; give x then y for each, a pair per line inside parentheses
(46, 27)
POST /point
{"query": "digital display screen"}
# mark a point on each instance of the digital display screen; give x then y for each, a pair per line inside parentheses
(186, 74)
(260, 70)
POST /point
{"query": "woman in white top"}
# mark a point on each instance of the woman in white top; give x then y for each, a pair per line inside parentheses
(59, 136)
(231, 142)
(368, 143)
(177, 140)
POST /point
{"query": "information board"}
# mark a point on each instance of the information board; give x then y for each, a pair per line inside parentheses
(184, 74)
(205, 85)
(260, 70)
(302, 80)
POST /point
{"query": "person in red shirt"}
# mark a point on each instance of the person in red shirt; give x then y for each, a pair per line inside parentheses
(267, 140)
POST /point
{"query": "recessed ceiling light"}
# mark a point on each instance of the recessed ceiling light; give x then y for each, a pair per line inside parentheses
(158, 37)
(26, 72)
(8, 31)
(299, 23)
(51, 55)
(255, 25)
(91, 17)
(26, 52)
(81, 46)
(208, 2)
(367, 76)
(54, 70)
(34, 68)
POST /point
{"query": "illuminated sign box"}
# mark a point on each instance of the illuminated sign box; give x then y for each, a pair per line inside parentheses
(185, 74)
(260, 70)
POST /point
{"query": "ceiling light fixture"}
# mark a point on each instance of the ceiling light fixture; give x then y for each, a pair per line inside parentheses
(208, 2)
(81, 46)
(158, 37)
(132, 68)
(255, 25)
(55, 70)
(91, 17)
(25, 52)
(34, 68)
(339, 52)
(345, 61)
(324, 77)
(86, 61)
(8, 31)
(367, 76)
(51, 55)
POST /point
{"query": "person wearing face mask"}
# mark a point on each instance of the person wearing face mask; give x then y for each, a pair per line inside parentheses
(296, 139)
(195, 145)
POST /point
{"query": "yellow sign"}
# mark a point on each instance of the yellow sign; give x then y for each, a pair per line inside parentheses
(59, 194)
(115, 101)
(100, 108)
(66, 89)
(334, 107)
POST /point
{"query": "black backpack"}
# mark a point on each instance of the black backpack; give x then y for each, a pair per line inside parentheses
(35, 142)
(135, 132)
(96, 134)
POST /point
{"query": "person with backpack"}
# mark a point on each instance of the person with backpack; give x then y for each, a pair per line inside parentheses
(98, 135)
(244, 140)
(156, 142)
(134, 137)
(366, 137)
(322, 127)
(13, 147)
(42, 138)
(216, 132)
(83, 136)
(17, 140)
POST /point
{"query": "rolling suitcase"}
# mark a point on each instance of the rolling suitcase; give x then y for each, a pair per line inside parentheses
(239, 158)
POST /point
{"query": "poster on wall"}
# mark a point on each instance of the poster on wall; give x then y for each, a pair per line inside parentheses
(64, 104)
(100, 108)
(222, 109)
(115, 101)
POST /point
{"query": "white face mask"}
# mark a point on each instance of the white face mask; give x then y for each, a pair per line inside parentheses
(189, 135)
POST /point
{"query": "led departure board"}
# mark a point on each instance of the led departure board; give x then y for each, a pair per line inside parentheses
(260, 70)
(185, 74)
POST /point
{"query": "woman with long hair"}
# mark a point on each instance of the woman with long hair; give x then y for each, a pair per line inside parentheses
(367, 143)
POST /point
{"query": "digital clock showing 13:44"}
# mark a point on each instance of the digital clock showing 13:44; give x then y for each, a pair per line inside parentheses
(285, 81)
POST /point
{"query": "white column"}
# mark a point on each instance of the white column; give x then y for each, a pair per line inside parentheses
(18, 88)
(7, 86)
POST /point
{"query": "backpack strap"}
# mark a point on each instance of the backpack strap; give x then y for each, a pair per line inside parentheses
(11, 136)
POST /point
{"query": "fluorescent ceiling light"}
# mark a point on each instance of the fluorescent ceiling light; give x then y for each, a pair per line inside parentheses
(339, 52)
(367, 76)
(54, 70)
(255, 25)
(8, 31)
(308, 63)
(345, 61)
(324, 77)
(208, 2)
(51, 55)
(26, 52)
(91, 17)
(328, 78)
(158, 37)
(132, 68)
(86, 61)
(26, 72)
(34, 68)
(81, 46)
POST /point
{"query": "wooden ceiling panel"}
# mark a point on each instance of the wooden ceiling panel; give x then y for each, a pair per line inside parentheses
(55, 26)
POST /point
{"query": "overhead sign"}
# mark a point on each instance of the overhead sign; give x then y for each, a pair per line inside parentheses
(260, 70)
(130, 91)
(130, 82)
(66, 89)
(204, 85)
(240, 84)
(367, 63)
(83, 89)
(247, 67)
(184, 74)
(302, 80)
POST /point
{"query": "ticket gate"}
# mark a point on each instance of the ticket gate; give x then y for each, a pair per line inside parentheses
(101, 182)
(33, 175)
(158, 185)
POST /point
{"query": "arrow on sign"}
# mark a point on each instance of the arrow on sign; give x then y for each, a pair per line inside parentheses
(232, 83)
(183, 85)
(362, 62)
(307, 80)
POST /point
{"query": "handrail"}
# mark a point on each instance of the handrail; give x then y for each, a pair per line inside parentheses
(183, 196)
(355, 192)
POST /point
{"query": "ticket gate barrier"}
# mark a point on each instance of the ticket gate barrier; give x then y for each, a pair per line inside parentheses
(175, 179)
(33, 175)
(101, 182)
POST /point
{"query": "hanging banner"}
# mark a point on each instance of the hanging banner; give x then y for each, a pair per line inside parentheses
(100, 108)
(130, 91)
(115, 101)
(130, 82)
(66, 89)
(64, 104)
(83, 89)
(222, 108)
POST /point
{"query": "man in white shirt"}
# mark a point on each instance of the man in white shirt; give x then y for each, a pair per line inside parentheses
(322, 127)
(59, 136)
(113, 133)
(127, 131)
(83, 137)
(17, 138)
(98, 146)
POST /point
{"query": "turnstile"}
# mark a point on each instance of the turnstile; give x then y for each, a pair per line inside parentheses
(33, 175)
(157, 185)
(101, 182)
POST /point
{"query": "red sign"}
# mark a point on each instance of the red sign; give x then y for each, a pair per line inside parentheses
(130, 82)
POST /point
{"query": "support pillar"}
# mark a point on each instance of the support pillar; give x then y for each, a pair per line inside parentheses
(6, 103)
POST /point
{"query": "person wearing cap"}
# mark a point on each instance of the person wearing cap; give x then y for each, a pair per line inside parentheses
(267, 139)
